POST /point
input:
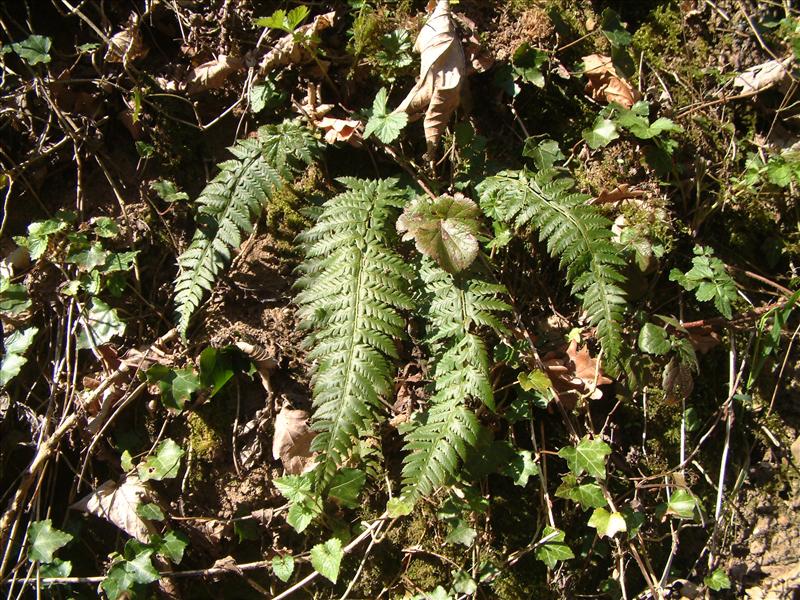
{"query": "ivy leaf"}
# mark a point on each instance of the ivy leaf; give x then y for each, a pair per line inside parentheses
(34, 50)
(718, 581)
(124, 574)
(326, 558)
(56, 568)
(588, 456)
(399, 507)
(521, 468)
(554, 550)
(462, 534)
(463, 583)
(601, 134)
(346, 486)
(100, 324)
(682, 504)
(172, 545)
(385, 125)
(43, 541)
(164, 464)
(613, 29)
(151, 512)
(588, 495)
(168, 191)
(537, 381)
(444, 229)
(607, 524)
(14, 358)
(215, 369)
(176, 385)
(544, 154)
(653, 340)
(283, 566)
(527, 64)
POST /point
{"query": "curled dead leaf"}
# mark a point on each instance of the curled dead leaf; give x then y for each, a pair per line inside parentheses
(606, 82)
(126, 45)
(296, 48)
(341, 130)
(763, 76)
(677, 381)
(212, 74)
(437, 93)
(618, 194)
(118, 503)
(574, 371)
(291, 441)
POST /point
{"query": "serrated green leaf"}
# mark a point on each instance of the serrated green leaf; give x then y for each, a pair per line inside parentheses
(607, 524)
(554, 550)
(653, 340)
(327, 557)
(283, 566)
(168, 191)
(100, 324)
(43, 541)
(588, 456)
(13, 298)
(164, 463)
(105, 227)
(38, 237)
(34, 50)
(346, 487)
(301, 515)
(601, 134)
(16, 344)
(265, 94)
(284, 21)
(90, 258)
(444, 229)
(385, 125)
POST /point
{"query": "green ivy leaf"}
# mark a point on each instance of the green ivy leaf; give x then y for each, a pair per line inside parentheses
(399, 507)
(215, 369)
(521, 468)
(168, 191)
(34, 50)
(601, 134)
(444, 229)
(588, 495)
(537, 381)
(283, 566)
(346, 486)
(172, 546)
(43, 541)
(613, 29)
(100, 324)
(653, 340)
(718, 581)
(545, 153)
(16, 344)
(326, 558)
(607, 524)
(588, 456)
(176, 385)
(554, 550)
(56, 568)
(463, 583)
(682, 504)
(527, 64)
(124, 574)
(385, 125)
(151, 512)
(164, 464)
(461, 533)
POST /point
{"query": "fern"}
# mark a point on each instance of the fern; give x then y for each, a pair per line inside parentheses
(575, 231)
(230, 204)
(438, 440)
(354, 288)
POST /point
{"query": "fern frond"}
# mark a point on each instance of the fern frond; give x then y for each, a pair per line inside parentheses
(575, 231)
(437, 441)
(353, 291)
(230, 204)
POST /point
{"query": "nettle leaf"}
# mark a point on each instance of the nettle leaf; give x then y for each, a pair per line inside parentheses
(283, 567)
(682, 504)
(34, 50)
(445, 230)
(607, 524)
(346, 486)
(385, 125)
(100, 324)
(588, 456)
(601, 134)
(709, 280)
(16, 345)
(554, 550)
(164, 464)
(43, 541)
(654, 340)
(326, 558)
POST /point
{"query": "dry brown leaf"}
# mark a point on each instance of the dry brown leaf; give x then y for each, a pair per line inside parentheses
(763, 76)
(677, 381)
(437, 93)
(212, 74)
(341, 130)
(575, 372)
(287, 51)
(292, 441)
(126, 45)
(618, 194)
(606, 83)
(117, 504)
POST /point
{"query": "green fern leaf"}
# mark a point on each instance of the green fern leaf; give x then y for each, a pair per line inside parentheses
(231, 203)
(354, 287)
(575, 232)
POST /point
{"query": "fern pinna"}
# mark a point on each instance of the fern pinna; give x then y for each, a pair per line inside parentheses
(458, 306)
(230, 204)
(354, 287)
(575, 231)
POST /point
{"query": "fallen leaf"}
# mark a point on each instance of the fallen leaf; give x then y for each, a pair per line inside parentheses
(576, 372)
(212, 74)
(606, 83)
(290, 51)
(126, 45)
(340, 130)
(618, 194)
(292, 441)
(262, 360)
(763, 76)
(704, 338)
(437, 93)
(677, 381)
(118, 503)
